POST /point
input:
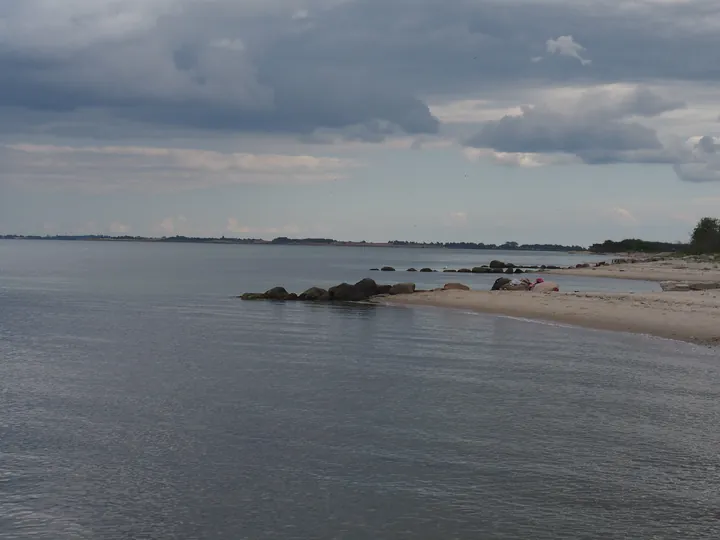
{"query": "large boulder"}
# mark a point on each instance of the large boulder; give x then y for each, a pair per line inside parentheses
(277, 293)
(464, 271)
(519, 271)
(346, 293)
(402, 288)
(499, 282)
(412, 269)
(383, 289)
(497, 264)
(426, 269)
(315, 294)
(456, 287)
(367, 286)
(481, 270)
(387, 269)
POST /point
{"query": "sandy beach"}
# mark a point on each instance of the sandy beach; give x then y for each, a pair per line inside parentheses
(666, 270)
(685, 316)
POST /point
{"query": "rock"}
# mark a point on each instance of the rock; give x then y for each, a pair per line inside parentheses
(455, 287)
(277, 293)
(582, 265)
(411, 270)
(387, 269)
(509, 271)
(292, 296)
(384, 289)
(374, 269)
(402, 288)
(519, 271)
(346, 293)
(450, 271)
(497, 264)
(464, 271)
(673, 286)
(315, 294)
(681, 286)
(704, 286)
(481, 270)
(499, 283)
(497, 270)
(509, 265)
(426, 269)
(367, 286)
(253, 296)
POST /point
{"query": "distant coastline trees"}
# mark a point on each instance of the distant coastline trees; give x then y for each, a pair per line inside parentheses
(704, 240)
(705, 237)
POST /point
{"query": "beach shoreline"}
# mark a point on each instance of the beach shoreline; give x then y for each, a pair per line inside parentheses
(678, 270)
(692, 317)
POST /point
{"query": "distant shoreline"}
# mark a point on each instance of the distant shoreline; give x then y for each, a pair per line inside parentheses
(305, 242)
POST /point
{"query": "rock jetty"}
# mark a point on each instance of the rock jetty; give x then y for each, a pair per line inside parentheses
(495, 267)
(344, 292)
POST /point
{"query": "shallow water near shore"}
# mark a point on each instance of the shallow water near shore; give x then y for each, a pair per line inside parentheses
(140, 400)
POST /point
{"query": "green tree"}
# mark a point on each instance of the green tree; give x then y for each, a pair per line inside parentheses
(705, 237)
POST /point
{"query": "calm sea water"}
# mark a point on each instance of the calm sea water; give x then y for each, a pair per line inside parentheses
(140, 400)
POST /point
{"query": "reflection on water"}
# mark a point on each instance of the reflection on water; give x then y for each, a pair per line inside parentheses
(176, 411)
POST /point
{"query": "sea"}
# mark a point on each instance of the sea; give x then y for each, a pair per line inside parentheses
(140, 399)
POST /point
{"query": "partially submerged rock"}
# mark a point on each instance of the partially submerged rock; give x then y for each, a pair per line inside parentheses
(315, 294)
(387, 269)
(277, 293)
(344, 292)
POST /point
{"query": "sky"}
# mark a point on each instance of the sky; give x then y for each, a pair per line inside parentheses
(558, 121)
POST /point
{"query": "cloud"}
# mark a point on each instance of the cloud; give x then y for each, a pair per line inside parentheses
(236, 227)
(295, 67)
(567, 46)
(111, 168)
(700, 161)
(596, 128)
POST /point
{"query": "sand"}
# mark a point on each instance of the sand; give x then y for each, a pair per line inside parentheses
(667, 270)
(687, 316)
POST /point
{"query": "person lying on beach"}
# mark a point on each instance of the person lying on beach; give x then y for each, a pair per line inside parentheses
(541, 285)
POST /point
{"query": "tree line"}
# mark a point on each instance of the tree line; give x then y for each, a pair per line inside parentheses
(704, 239)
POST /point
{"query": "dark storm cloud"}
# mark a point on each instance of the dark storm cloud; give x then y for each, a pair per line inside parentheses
(364, 67)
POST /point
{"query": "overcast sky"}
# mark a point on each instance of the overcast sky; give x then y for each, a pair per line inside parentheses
(569, 121)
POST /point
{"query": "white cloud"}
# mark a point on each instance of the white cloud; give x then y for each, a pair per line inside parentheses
(567, 46)
(526, 160)
(152, 168)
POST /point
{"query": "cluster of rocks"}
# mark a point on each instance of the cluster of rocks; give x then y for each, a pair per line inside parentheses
(495, 267)
(344, 292)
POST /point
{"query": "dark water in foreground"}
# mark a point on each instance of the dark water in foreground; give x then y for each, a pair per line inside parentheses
(140, 401)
